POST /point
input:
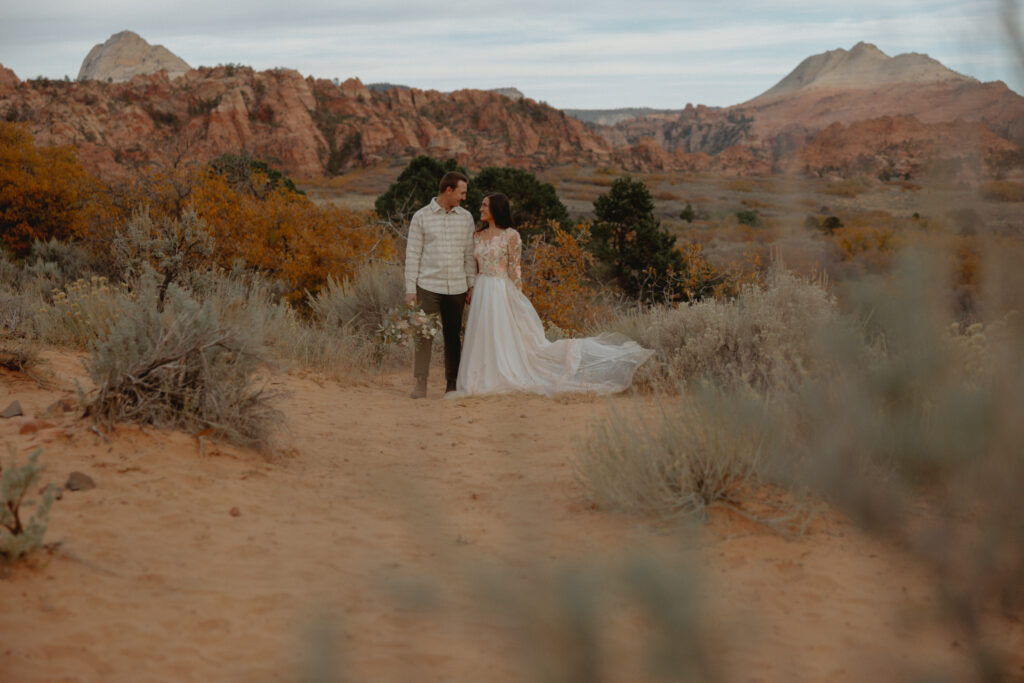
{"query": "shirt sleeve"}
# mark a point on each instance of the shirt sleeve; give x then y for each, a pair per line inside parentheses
(468, 255)
(413, 253)
(515, 257)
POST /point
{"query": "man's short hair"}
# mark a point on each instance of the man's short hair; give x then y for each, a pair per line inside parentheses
(452, 179)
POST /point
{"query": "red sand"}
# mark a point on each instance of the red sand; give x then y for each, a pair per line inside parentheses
(368, 544)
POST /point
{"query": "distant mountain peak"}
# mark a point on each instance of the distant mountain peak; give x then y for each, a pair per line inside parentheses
(127, 54)
(511, 93)
(864, 66)
(863, 48)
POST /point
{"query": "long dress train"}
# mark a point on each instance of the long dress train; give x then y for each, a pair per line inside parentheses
(505, 350)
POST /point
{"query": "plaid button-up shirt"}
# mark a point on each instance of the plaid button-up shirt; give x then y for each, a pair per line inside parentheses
(439, 254)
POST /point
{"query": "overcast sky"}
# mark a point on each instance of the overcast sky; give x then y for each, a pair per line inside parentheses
(569, 53)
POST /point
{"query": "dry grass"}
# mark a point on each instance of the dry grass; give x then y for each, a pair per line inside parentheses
(1003, 191)
(18, 354)
(850, 187)
(582, 193)
(763, 339)
(689, 455)
(665, 196)
(81, 313)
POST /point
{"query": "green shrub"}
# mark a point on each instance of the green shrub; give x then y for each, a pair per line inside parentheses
(252, 176)
(631, 245)
(748, 217)
(534, 203)
(688, 214)
(831, 224)
(416, 185)
(17, 538)
(16, 305)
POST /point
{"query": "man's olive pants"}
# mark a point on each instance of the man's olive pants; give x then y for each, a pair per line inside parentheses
(450, 307)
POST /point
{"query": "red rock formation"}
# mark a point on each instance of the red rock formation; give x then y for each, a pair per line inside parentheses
(856, 111)
(308, 127)
(899, 145)
(8, 80)
(836, 88)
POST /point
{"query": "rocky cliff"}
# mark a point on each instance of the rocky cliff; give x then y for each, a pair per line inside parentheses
(841, 112)
(126, 55)
(839, 87)
(309, 127)
(902, 146)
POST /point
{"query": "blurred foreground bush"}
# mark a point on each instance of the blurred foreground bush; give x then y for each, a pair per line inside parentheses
(900, 418)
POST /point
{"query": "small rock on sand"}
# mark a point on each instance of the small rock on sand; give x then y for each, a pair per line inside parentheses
(13, 410)
(78, 481)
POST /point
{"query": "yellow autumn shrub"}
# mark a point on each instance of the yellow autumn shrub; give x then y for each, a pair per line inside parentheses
(45, 193)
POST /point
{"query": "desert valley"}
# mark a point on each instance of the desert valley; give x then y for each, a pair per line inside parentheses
(814, 478)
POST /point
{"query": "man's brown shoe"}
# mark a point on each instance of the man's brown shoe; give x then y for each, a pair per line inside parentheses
(421, 389)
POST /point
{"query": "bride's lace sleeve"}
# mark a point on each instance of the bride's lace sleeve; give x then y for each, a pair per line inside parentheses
(515, 257)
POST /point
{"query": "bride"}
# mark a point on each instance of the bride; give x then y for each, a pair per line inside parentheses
(505, 349)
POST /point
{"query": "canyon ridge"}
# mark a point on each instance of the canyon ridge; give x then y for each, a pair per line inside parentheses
(842, 112)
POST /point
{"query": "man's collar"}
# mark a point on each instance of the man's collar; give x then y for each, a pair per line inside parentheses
(435, 206)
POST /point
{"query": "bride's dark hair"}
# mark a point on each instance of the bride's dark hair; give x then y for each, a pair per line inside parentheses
(501, 210)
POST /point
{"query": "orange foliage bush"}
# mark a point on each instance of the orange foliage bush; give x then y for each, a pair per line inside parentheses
(555, 278)
(966, 276)
(286, 235)
(701, 279)
(264, 225)
(45, 193)
(966, 263)
(871, 246)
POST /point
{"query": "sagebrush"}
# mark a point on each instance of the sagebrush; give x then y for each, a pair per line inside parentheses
(190, 366)
(763, 339)
(18, 538)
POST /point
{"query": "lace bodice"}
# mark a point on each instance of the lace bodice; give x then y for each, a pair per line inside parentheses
(500, 256)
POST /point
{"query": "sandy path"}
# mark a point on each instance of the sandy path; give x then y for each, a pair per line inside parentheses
(400, 540)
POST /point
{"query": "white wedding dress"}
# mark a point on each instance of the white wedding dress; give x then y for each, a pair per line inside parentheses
(504, 349)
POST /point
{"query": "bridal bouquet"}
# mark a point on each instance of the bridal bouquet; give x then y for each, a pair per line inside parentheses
(405, 324)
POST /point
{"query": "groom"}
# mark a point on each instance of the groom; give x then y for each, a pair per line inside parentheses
(439, 273)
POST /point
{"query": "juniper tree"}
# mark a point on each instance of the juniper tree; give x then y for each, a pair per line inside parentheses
(631, 244)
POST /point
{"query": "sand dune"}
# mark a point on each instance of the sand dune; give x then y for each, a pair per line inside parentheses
(398, 540)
